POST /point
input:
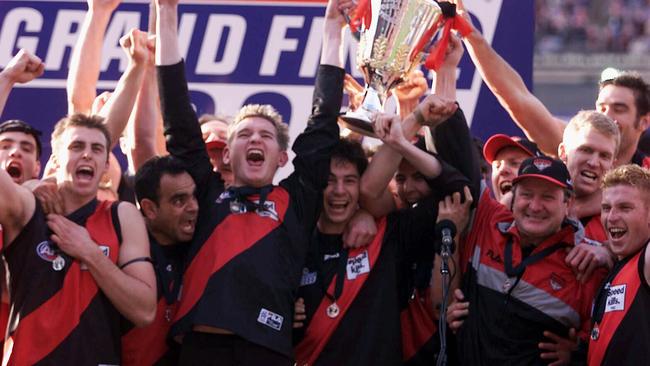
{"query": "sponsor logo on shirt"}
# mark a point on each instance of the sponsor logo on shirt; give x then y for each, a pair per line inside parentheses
(270, 319)
(358, 265)
(495, 257)
(308, 278)
(327, 257)
(268, 210)
(615, 298)
(557, 282)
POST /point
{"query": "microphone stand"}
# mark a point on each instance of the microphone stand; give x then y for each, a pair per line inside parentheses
(442, 322)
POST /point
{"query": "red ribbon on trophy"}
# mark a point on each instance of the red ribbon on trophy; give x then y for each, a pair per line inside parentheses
(452, 21)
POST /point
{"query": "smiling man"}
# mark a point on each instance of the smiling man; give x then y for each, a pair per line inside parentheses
(621, 330)
(516, 280)
(72, 277)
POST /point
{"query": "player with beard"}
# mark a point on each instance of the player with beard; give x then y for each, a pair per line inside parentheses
(165, 193)
(90, 266)
(245, 259)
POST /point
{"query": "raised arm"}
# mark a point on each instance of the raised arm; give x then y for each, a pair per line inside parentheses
(16, 207)
(131, 289)
(313, 146)
(120, 104)
(374, 195)
(181, 126)
(86, 56)
(507, 85)
(22, 68)
(144, 131)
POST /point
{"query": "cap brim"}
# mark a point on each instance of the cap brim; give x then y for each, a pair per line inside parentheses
(540, 176)
(499, 141)
(216, 144)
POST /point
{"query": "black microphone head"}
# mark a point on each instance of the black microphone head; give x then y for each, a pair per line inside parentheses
(445, 224)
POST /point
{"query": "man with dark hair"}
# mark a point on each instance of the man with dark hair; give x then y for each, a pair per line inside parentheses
(72, 277)
(626, 100)
(166, 194)
(353, 294)
(20, 150)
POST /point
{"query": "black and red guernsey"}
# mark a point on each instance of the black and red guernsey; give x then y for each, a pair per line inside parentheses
(366, 330)
(150, 345)
(244, 263)
(59, 316)
(621, 330)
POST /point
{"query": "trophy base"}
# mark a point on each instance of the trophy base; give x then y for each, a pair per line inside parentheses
(359, 123)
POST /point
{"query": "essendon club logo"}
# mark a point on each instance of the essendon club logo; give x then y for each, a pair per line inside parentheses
(541, 164)
(45, 251)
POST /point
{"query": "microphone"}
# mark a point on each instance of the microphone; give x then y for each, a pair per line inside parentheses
(446, 230)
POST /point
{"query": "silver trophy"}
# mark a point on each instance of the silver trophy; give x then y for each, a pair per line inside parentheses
(388, 51)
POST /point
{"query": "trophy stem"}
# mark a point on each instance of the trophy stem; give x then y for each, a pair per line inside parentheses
(360, 120)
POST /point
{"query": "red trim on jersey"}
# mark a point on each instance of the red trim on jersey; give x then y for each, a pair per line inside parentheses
(418, 324)
(321, 327)
(42, 330)
(629, 275)
(145, 346)
(220, 248)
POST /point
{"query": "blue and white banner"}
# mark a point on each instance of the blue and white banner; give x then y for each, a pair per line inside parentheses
(239, 52)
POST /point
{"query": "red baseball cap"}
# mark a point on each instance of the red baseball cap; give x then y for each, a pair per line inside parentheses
(500, 141)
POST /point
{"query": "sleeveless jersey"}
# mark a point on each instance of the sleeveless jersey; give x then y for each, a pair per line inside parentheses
(621, 332)
(59, 315)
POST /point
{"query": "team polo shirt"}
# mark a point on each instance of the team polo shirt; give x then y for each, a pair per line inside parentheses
(508, 313)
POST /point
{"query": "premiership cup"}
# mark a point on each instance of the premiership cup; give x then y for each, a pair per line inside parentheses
(390, 48)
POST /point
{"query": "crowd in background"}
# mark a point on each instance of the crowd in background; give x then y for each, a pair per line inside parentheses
(620, 26)
(350, 260)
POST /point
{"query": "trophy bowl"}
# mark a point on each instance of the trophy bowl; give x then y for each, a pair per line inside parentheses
(389, 48)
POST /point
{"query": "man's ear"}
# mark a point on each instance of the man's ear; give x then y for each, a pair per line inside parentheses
(644, 121)
(283, 159)
(561, 152)
(37, 169)
(148, 208)
(226, 155)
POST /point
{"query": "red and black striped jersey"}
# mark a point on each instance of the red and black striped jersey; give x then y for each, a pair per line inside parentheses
(621, 332)
(243, 266)
(59, 315)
